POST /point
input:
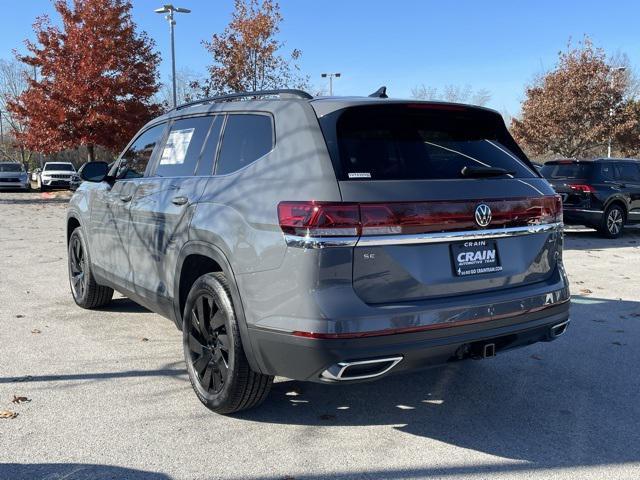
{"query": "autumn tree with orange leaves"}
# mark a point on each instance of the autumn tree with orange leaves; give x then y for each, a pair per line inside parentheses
(246, 55)
(98, 76)
(573, 110)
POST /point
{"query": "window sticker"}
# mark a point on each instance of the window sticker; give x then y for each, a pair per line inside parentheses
(359, 175)
(175, 150)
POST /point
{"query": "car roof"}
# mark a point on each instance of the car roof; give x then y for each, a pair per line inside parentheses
(322, 105)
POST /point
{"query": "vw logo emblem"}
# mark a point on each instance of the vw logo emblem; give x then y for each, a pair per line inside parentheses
(483, 215)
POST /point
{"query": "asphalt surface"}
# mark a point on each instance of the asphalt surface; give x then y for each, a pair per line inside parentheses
(109, 397)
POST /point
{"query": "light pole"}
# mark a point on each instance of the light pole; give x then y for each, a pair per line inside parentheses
(615, 70)
(330, 75)
(169, 9)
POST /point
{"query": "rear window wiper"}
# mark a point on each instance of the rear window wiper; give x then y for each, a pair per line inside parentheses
(480, 172)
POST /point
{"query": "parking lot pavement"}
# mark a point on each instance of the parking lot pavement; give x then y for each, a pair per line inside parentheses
(109, 398)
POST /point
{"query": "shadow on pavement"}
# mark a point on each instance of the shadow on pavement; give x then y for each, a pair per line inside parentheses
(588, 239)
(568, 403)
(123, 305)
(74, 471)
(163, 372)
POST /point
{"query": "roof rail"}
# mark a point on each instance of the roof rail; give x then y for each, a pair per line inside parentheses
(284, 92)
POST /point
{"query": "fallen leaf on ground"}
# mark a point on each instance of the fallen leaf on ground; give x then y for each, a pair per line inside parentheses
(8, 414)
(19, 316)
(17, 399)
(35, 330)
(585, 291)
(144, 339)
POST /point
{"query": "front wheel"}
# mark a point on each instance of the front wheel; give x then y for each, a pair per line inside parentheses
(86, 292)
(613, 222)
(216, 363)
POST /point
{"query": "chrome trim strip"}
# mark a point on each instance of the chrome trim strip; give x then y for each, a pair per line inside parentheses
(569, 209)
(320, 242)
(438, 237)
(442, 237)
(331, 373)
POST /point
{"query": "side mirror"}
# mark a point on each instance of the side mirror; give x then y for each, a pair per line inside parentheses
(94, 171)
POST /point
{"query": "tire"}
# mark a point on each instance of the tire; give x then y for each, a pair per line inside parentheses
(84, 288)
(613, 221)
(216, 363)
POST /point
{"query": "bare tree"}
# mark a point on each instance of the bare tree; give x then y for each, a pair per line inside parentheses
(13, 81)
(452, 93)
(186, 88)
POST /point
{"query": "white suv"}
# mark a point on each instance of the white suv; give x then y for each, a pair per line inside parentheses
(57, 174)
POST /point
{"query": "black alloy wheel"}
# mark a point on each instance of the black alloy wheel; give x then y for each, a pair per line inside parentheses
(217, 366)
(209, 344)
(77, 267)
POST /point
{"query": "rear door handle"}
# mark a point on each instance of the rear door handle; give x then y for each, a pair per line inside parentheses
(125, 198)
(179, 200)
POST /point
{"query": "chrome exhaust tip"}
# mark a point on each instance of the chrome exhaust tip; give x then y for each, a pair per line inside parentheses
(559, 329)
(361, 369)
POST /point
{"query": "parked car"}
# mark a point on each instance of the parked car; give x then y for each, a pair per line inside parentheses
(331, 240)
(57, 175)
(13, 176)
(35, 176)
(603, 193)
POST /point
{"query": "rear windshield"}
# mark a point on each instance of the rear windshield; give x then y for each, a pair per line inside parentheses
(59, 166)
(419, 141)
(567, 170)
(10, 167)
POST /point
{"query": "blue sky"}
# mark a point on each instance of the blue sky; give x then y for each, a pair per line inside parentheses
(496, 45)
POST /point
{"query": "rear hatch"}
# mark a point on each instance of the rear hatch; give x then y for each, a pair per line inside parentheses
(447, 202)
(571, 179)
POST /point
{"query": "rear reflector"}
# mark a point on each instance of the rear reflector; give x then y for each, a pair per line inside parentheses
(322, 219)
(582, 188)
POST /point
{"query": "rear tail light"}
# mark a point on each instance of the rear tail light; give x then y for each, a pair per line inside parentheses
(322, 219)
(582, 188)
(318, 219)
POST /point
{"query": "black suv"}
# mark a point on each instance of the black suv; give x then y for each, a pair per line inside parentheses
(603, 193)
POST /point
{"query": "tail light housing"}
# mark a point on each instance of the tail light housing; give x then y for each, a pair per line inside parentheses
(332, 219)
(582, 188)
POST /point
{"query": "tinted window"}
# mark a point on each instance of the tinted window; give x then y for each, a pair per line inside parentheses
(246, 138)
(183, 146)
(10, 167)
(567, 170)
(205, 165)
(66, 167)
(628, 172)
(607, 171)
(135, 160)
(419, 141)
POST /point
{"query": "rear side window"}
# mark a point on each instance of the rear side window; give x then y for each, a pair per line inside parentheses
(208, 156)
(181, 152)
(135, 160)
(246, 138)
(420, 141)
(553, 170)
(628, 172)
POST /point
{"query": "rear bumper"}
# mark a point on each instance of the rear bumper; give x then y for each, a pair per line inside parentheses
(302, 358)
(580, 216)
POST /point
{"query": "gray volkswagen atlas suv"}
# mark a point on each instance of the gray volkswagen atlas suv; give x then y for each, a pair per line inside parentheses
(330, 239)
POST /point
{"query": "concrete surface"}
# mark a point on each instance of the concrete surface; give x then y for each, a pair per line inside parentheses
(106, 403)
